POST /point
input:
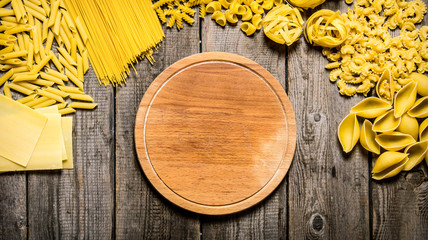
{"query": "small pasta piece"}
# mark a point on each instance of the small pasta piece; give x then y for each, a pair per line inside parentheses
(25, 77)
(248, 15)
(232, 18)
(257, 21)
(74, 79)
(248, 28)
(6, 76)
(50, 95)
(28, 85)
(219, 18)
(52, 78)
(68, 89)
(81, 97)
(27, 98)
(57, 92)
(36, 101)
(213, 7)
(66, 111)
(20, 89)
(82, 105)
(43, 104)
(6, 91)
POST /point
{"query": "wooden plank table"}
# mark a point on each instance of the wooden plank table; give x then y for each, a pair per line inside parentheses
(326, 194)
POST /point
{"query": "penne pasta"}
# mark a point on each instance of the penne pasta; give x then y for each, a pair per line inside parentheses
(43, 63)
(82, 105)
(6, 91)
(68, 89)
(65, 111)
(67, 65)
(25, 77)
(61, 105)
(36, 101)
(46, 103)
(6, 76)
(50, 95)
(28, 85)
(81, 97)
(16, 54)
(51, 78)
(74, 79)
(20, 89)
(27, 98)
(57, 92)
(54, 12)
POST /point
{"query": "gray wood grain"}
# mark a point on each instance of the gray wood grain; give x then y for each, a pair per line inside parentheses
(141, 212)
(265, 219)
(13, 206)
(400, 204)
(79, 203)
(328, 190)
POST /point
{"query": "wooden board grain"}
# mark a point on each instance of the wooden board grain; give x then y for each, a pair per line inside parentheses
(141, 212)
(215, 133)
(328, 190)
(267, 220)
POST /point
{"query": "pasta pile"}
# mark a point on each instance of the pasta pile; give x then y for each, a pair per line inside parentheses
(283, 24)
(326, 28)
(357, 64)
(28, 31)
(306, 3)
(119, 33)
(250, 12)
(394, 128)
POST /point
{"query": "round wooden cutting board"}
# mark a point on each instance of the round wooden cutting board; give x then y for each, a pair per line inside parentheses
(215, 133)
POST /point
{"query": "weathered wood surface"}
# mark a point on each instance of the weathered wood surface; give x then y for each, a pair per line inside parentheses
(326, 194)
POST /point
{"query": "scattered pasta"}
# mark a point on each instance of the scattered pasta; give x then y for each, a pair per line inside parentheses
(35, 73)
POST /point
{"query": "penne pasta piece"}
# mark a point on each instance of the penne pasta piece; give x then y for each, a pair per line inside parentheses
(80, 68)
(20, 89)
(6, 76)
(81, 97)
(35, 7)
(12, 61)
(68, 19)
(10, 55)
(82, 105)
(80, 44)
(4, 2)
(367, 138)
(42, 82)
(74, 79)
(51, 78)
(28, 85)
(6, 12)
(36, 101)
(57, 74)
(46, 103)
(394, 141)
(7, 49)
(18, 29)
(64, 39)
(73, 49)
(45, 30)
(70, 89)
(409, 125)
(18, 12)
(416, 153)
(404, 99)
(386, 122)
(26, 77)
(349, 132)
(6, 91)
(30, 57)
(46, 7)
(5, 67)
(57, 92)
(27, 98)
(85, 61)
(54, 12)
(61, 105)
(35, 14)
(20, 69)
(36, 43)
(68, 66)
(389, 164)
(21, 43)
(57, 63)
(67, 56)
(49, 41)
(81, 30)
(57, 24)
(43, 63)
(50, 95)
(66, 111)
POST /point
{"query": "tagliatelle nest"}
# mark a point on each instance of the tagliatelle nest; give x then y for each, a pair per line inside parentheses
(326, 28)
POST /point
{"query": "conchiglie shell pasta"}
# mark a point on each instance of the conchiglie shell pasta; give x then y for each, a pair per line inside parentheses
(349, 132)
(386, 122)
(371, 107)
(423, 131)
(389, 164)
(422, 81)
(404, 99)
(367, 138)
(420, 108)
(394, 141)
(385, 80)
(409, 125)
(417, 153)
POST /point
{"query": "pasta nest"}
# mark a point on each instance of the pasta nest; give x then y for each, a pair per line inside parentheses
(326, 28)
(283, 24)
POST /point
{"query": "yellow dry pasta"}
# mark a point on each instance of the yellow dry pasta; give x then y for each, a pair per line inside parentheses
(82, 105)
(416, 153)
(349, 132)
(326, 28)
(368, 136)
(219, 18)
(389, 164)
(305, 4)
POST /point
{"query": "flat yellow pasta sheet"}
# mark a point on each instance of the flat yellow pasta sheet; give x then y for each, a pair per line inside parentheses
(67, 133)
(47, 153)
(20, 128)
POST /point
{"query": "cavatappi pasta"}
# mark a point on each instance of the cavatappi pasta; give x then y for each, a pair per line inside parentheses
(357, 64)
(117, 34)
(35, 70)
(249, 12)
(398, 132)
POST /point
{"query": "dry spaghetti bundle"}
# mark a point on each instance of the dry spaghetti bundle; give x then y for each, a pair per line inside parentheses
(119, 33)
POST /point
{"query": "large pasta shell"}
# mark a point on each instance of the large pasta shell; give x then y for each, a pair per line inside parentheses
(422, 81)
(417, 153)
(404, 99)
(423, 131)
(409, 125)
(420, 108)
(367, 138)
(385, 84)
(389, 164)
(349, 132)
(386, 122)
(394, 141)
(371, 107)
